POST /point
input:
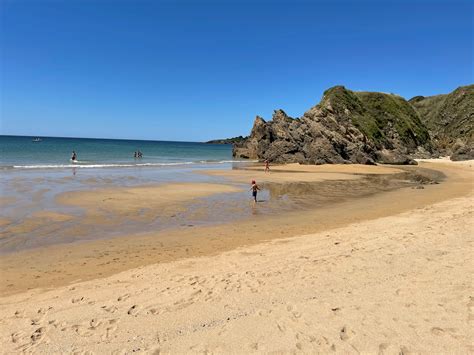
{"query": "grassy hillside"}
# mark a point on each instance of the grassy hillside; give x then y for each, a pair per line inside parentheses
(448, 117)
(379, 116)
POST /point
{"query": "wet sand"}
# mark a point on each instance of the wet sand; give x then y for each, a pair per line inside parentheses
(93, 211)
(303, 173)
(133, 200)
(57, 265)
(63, 211)
(387, 273)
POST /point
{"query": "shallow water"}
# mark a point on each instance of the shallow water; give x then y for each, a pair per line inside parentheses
(28, 193)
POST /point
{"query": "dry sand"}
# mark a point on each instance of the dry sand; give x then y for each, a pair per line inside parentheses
(396, 278)
(398, 284)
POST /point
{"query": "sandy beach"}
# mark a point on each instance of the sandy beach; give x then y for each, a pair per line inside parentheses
(388, 273)
(236, 177)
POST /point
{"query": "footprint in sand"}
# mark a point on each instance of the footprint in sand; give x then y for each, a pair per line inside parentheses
(293, 311)
(264, 312)
(133, 311)
(36, 338)
(20, 314)
(110, 309)
(38, 334)
(345, 333)
(437, 331)
(81, 330)
(17, 337)
(44, 310)
(56, 324)
(94, 323)
(296, 314)
(77, 300)
(110, 329)
(123, 297)
(281, 327)
(153, 311)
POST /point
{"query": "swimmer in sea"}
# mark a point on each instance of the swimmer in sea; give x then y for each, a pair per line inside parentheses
(74, 156)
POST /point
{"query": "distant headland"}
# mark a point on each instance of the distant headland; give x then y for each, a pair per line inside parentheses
(233, 140)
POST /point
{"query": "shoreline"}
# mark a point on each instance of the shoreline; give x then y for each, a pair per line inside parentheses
(62, 212)
(65, 264)
(396, 283)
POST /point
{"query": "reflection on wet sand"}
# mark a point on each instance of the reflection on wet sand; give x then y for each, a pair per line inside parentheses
(312, 194)
(89, 214)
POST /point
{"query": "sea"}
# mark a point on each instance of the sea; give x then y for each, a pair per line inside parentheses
(22, 152)
(34, 171)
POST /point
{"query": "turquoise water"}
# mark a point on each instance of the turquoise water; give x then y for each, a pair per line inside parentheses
(34, 174)
(20, 152)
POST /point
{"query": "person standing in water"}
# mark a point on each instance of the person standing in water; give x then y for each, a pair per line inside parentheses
(74, 156)
(267, 166)
(254, 190)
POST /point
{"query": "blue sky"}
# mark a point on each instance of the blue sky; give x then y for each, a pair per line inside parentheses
(197, 70)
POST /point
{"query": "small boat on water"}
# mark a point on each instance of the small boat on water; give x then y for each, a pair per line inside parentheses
(37, 139)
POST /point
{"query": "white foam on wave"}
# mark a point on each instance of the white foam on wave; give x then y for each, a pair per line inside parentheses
(91, 166)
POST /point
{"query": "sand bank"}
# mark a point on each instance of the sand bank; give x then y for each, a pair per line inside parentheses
(396, 284)
(133, 200)
(302, 173)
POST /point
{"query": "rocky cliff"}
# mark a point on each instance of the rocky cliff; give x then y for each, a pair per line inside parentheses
(345, 127)
(450, 121)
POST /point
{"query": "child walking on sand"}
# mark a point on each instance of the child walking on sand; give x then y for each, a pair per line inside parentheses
(254, 190)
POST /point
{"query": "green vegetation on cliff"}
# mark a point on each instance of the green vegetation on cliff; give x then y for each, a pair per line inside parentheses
(380, 117)
(390, 110)
(449, 117)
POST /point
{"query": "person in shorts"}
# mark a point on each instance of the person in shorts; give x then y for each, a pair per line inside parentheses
(254, 190)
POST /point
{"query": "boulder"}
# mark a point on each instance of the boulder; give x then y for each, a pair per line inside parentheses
(462, 152)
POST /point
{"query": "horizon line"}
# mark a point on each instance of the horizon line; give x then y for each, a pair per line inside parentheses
(97, 138)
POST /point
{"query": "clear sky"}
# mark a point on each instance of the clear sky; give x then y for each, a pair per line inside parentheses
(197, 70)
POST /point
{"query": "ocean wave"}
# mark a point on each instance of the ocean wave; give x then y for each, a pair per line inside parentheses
(84, 165)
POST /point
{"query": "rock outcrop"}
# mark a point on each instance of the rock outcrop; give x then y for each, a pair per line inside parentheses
(345, 127)
(450, 121)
